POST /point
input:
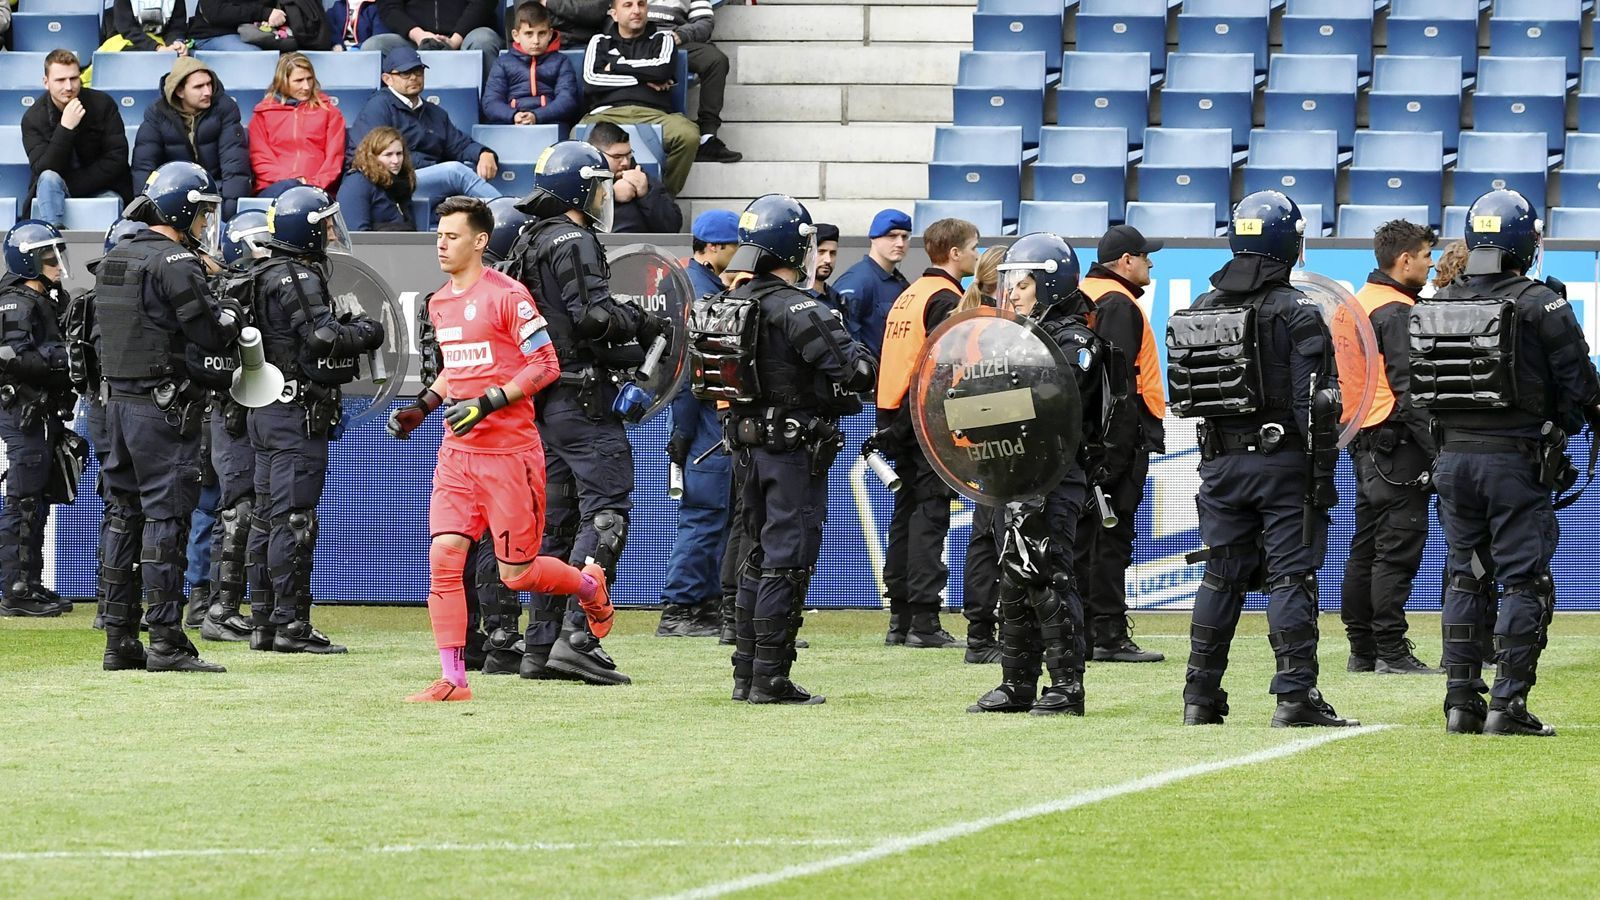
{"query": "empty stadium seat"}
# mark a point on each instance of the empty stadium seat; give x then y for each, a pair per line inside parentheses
(1358, 221)
(349, 78)
(1083, 164)
(518, 147)
(1125, 26)
(1589, 97)
(1011, 25)
(1173, 220)
(1210, 90)
(1538, 28)
(1435, 28)
(1313, 215)
(91, 213)
(15, 174)
(261, 203)
(8, 212)
(1001, 89)
(21, 84)
(1105, 90)
(1302, 164)
(73, 24)
(1580, 171)
(977, 163)
(1329, 28)
(983, 213)
(1225, 26)
(453, 82)
(1084, 219)
(1454, 222)
(1189, 165)
(1492, 161)
(1416, 93)
(1574, 223)
(132, 79)
(1398, 168)
(1522, 94)
(1313, 93)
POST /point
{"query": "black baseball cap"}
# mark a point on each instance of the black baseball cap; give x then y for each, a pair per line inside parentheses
(1124, 239)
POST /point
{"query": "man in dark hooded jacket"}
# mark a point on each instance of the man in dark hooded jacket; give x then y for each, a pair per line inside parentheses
(195, 121)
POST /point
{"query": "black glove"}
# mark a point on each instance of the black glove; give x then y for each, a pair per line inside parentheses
(233, 308)
(678, 449)
(405, 420)
(370, 333)
(465, 416)
(652, 327)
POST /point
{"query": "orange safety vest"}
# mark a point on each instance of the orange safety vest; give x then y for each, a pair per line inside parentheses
(1147, 365)
(904, 334)
(1371, 297)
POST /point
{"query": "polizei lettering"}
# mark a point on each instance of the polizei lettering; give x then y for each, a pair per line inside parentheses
(1003, 449)
(988, 367)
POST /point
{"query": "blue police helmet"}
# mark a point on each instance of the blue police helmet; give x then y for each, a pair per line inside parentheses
(304, 220)
(1267, 223)
(508, 223)
(572, 175)
(31, 245)
(122, 229)
(1505, 221)
(181, 193)
(777, 229)
(245, 234)
(1048, 260)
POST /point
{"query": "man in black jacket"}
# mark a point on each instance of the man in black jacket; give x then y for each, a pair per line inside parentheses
(215, 24)
(195, 121)
(75, 142)
(642, 205)
(430, 25)
(152, 28)
(578, 20)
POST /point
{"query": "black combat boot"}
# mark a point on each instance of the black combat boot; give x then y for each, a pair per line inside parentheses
(729, 633)
(473, 652)
(123, 650)
(1464, 711)
(1204, 714)
(299, 637)
(926, 633)
(199, 604)
(899, 624)
(982, 648)
(1307, 709)
(535, 664)
(41, 592)
(262, 631)
(741, 680)
(171, 651)
(779, 689)
(1064, 696)
(23, 603)
(224, 622)
(1514, 718)
(1113, 642)
(504, 652)
(679, 620)
(1398, 659)
(1363, 653)
(579, 656)
(1018, 688)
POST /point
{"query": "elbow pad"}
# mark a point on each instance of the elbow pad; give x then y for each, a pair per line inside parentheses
(322, 341)
(28, 366)
(594, 324)
(864, 377)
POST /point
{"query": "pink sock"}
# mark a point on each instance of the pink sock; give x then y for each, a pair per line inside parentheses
(454, 667)
(590, 584)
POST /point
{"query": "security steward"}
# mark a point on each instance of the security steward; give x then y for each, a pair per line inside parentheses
(317, 345)
(914, 571)
(1501, 455)
(153, 307)
(1263, 495)
(35, 388)
(1393, 457)
(788, 387)
(1117, 279)
(588, 460)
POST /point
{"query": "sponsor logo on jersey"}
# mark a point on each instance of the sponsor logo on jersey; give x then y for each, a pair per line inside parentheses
(525, 310)
(461, 356)
(446, 335)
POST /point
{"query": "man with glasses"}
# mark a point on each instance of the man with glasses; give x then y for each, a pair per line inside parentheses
(642, 204)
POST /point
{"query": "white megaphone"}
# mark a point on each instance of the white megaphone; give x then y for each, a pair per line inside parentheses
(257, 382)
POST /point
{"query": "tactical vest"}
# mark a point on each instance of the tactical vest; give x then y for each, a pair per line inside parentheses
(1147, 365)
(77, 324)
(545, 284)
(1102, 375)
(1213, 362)
(1373, 296)
(904, 335)
(281, 337)
(1463, 355)
(211, 369)
(724, 341)
(132, 346)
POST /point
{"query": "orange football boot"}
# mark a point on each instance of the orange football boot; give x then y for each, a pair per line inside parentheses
(441, 691)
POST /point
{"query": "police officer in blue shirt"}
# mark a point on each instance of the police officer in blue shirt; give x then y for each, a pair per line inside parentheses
(872, 285)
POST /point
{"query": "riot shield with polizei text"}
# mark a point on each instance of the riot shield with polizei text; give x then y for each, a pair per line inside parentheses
(357, 289)
(995, 405)
(1355, 347)
(647, 277)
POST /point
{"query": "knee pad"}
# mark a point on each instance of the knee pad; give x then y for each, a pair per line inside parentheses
(611, 536)
(303, 529)
(236, 527)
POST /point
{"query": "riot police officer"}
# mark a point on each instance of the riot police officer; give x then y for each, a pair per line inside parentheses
(589, 462)
(35, 389)
(1263, 497)
(152, 301)
(316, 345)
(787, 389)
(1504, 408)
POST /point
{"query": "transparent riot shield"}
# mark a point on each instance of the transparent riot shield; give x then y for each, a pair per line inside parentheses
(647, 277)
(1355, 347)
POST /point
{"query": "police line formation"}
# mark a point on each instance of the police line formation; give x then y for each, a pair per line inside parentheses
(1041, 403)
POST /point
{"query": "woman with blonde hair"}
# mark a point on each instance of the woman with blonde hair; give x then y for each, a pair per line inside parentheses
(1450, 265)
(376, 193)
(296, 134)
(985, 281)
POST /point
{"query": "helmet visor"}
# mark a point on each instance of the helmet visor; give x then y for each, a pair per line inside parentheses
(599, 208)
(332, 221)
(808, 262)
(206, 229)
(52, 252)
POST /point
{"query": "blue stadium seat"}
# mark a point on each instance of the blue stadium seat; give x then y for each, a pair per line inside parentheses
(1190, 165)
(1313, 93)
(1225, 26)
(1313, 215)
(518, 147)
(349, 78)
(1083, 164)
(1210, 90)
(1329, 28)
(1085, 219)
(91, 213)
(1492, 161)
(1574, 223)
(246, 74)
(21, 83)
(132, 79)
(1523, 94)
(1398, 168)
(977, 163)
(1435, 28)
(453, 82)
(131, 132)
(1416, 93)
(1454, 224)
(41, 32)
(1357, 221)
(15, 173)
(261, 203)
(1580, 171)
(1302, 164)
(1125, 26)
(1001, 89)
(8, 212)
(1011, 25)
(1538, 28)
(648, 145)
(1105, 90)
(1173, 220)
(983, 213)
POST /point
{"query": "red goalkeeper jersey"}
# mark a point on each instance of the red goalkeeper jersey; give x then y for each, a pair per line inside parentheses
(487, 335)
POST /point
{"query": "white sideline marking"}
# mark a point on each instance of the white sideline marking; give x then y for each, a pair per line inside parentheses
(496, 846)
(895, 846)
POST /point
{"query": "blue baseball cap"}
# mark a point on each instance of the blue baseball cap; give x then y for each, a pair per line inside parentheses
(717, 226)
(402, 59)
(889, 220)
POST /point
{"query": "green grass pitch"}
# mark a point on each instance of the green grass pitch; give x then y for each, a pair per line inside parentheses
(307, 777)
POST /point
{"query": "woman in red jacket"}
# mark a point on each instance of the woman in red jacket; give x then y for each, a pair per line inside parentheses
(296, 135)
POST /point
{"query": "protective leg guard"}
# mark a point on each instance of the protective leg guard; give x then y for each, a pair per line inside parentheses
(171, 651)
(19, 599)
(223, 621)
(263, 598)
(123, 650)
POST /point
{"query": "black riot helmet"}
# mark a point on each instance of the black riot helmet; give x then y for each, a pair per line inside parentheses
(508, 223)
(1506, 222)
(1267, 223)
(776, 230)
(1048, 260)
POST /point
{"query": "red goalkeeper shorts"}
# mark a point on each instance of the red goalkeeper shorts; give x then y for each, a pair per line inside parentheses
(503, 492)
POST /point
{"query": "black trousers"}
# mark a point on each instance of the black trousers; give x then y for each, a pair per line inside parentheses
(1102, 555)
(981, 584)
(784, 506)
(711, 65)
(914, 571)
(1391, 532)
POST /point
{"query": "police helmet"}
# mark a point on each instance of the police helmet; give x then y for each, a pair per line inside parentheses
(1048, 260)
(572, 175)
(122, 229)
(1503, 220)
(305, 221)
(776, 229)
(508, 223)
(184, 197)
(244, 239)
(1267, 223)
(31, 245)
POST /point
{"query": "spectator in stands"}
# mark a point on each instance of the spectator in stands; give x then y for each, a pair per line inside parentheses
(872, 285)
(353, 22)
(152, 26)
(641, 204)
(296, 135)
(432, 25)
(690, 23)
(985, 286)
(448, 161)
(215, 23)
(533, 84)
(74, 140)
(628, 72)
(5, 19)
(578, 20)
(1452, 262)
(376, 193)
(827, 256)
(195, 121)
